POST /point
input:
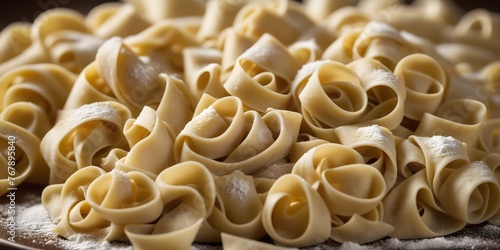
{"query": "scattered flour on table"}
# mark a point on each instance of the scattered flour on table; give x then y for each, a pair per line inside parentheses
(33, 223)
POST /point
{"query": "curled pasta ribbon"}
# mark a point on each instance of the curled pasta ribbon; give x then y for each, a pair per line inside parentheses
(476, 190)
(158, 10)
(491, 89)
(21, 148)
(224, 138)
(28, 116)
(489, 138)
(188, 193)
(115, 19)
(294, 213)
(134, 83)
(425, 83)
(320, 10)
(83, 138)
(163, 43)
(151, 144)
(73, 50)
(351, 189)
(18, 48)
(322, 157)
(88, 88)
(14, 39)
(377, 146)
(346, 19)
(347, 228)
(219, 15)
(69, 43)
(460, 118)
(332, 96)
(177, 104)
(386, 93)
(237, 209)
(376, 40)
(305, 142)
(232, 42)
(47, 86)
(443, 155)
(262, 75)
(284, 20)
(125, 198)
(202, 72)
(479, 27)
(68, 208)
(466, 58)
(414, 212)
(304, 52)
(410, 159)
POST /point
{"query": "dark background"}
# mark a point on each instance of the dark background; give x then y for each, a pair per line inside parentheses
(27, 10)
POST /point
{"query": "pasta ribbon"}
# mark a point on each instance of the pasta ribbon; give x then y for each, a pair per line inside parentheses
(377, 146)
(330, 97)
(294, 213)
(237, 209)
(414, 211)
(44, 86)
(225, 138)
(133, 82)
(115, 19)
(29, 165)
(262, 75)
(188, 194)
(151, 144)
(68, 207)
(83, 138)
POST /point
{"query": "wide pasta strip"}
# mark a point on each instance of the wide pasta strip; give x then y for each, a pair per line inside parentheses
(133, 82)
(25, 162)
(294, 213)
(425, 84)
(477, 192)
(376, 40)
(115, 19)
(158, 10)
(280, 18)
(377, 146)
(124, 198)
(176, 105)
(489, 136)
(414, 211)
(262, 75)
(237, 209)
(331, 96)
(151, 143)
(224, 138)
(346, 229)
(459, 118)
(386, 93)
(188, 193)
(202, 71)
(44, 86)
(66, 39)
(320, 10)
(162, 43)
(14, 39)
(83, 138)
(68, 208)
(219, 15)
(352, 191)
